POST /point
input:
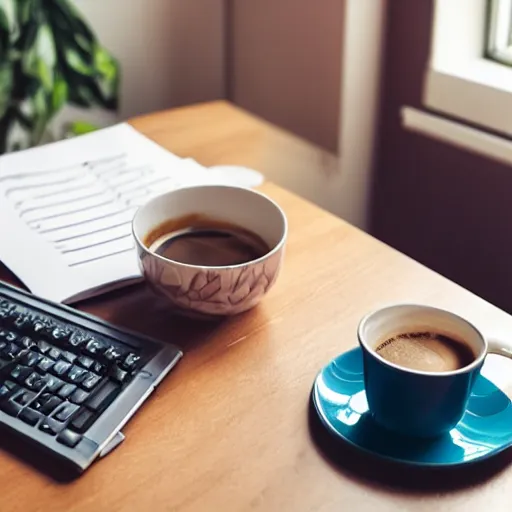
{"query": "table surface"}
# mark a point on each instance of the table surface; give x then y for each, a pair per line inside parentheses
(231, 428)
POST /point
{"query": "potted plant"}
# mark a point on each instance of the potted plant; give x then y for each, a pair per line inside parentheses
(49, 57)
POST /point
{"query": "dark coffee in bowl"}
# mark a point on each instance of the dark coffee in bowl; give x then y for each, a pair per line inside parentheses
(427, 351)
(200, 240)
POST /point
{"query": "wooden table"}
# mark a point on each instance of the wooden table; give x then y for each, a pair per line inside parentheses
(231, 429)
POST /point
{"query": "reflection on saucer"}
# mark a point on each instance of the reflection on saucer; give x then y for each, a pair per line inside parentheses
(340, 401)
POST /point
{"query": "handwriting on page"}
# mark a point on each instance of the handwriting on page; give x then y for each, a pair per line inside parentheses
(85, 210)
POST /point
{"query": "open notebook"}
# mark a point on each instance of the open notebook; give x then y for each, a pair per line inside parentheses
(66, 209)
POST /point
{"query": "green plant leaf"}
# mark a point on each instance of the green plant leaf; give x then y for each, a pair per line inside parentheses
(6, 85)
(41, 108)
(4, 22)
(86, 94)
(80, 128)
(39, 104)
(40, 58)
(108, 74)
(8, 16)
(75, 61)
(69, 18)
(59, 94)
(83, 43)
(105, 63)
(25, 11)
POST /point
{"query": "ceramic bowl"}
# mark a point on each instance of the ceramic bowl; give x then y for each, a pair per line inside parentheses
(222, 290)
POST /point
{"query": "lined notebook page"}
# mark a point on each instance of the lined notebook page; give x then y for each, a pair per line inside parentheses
(66, 209)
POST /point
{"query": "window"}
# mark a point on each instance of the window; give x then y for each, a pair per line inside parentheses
(499, 41)
(468, 75)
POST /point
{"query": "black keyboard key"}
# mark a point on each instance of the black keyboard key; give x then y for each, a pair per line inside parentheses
(43, 347)
(65, 412)
(30, 416)
(78, 338)
(8, 388)
(91, 381)
(67, 390)
(6, 304)
(69, 438)
(10, 317)
(51, 426)
(85, 362)
(36, 382)
(24, 397)
(30, 358)
(20, 372)
(41, 325)
(114, 354)
(82, 421)
(46, 403)
(11, 407)
(2, 344)
(23, 322)
(96, 346)
(103, 397)
(79, 396)
(54, 353)
(53, 384)
(37, 325)
(10, 351)
(44, 364)
(61, 335)
(61, 367)
(26, 342)
(4, 363)
(130, 362)
(11, 336)
(41, 400)
(68, 356)
(98, 368)
(46, 328)
(76, 375)
(118, 374)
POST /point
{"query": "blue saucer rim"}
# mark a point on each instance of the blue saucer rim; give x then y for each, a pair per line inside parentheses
(380, 456)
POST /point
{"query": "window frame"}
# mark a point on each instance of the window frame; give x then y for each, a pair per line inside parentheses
(460, 80)
(499, 31)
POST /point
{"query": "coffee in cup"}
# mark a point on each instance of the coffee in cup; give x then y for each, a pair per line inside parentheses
(426, 350)
(198, 239)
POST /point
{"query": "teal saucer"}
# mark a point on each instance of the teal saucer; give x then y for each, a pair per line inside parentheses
(340, 401)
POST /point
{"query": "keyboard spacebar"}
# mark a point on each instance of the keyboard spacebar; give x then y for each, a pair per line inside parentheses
(103, 397)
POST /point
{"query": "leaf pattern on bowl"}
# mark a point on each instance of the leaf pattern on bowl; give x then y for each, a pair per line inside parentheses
(224, 291)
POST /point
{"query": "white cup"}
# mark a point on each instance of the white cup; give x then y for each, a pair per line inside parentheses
(208, 290)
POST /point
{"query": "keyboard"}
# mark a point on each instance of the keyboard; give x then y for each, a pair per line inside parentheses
(68, 381)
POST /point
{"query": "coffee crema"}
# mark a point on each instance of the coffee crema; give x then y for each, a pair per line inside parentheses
(197, 239)
(427, 351)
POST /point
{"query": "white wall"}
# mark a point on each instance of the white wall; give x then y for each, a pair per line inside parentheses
(171, 51)
(322, 83)
(359, 107)
(285, 58)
